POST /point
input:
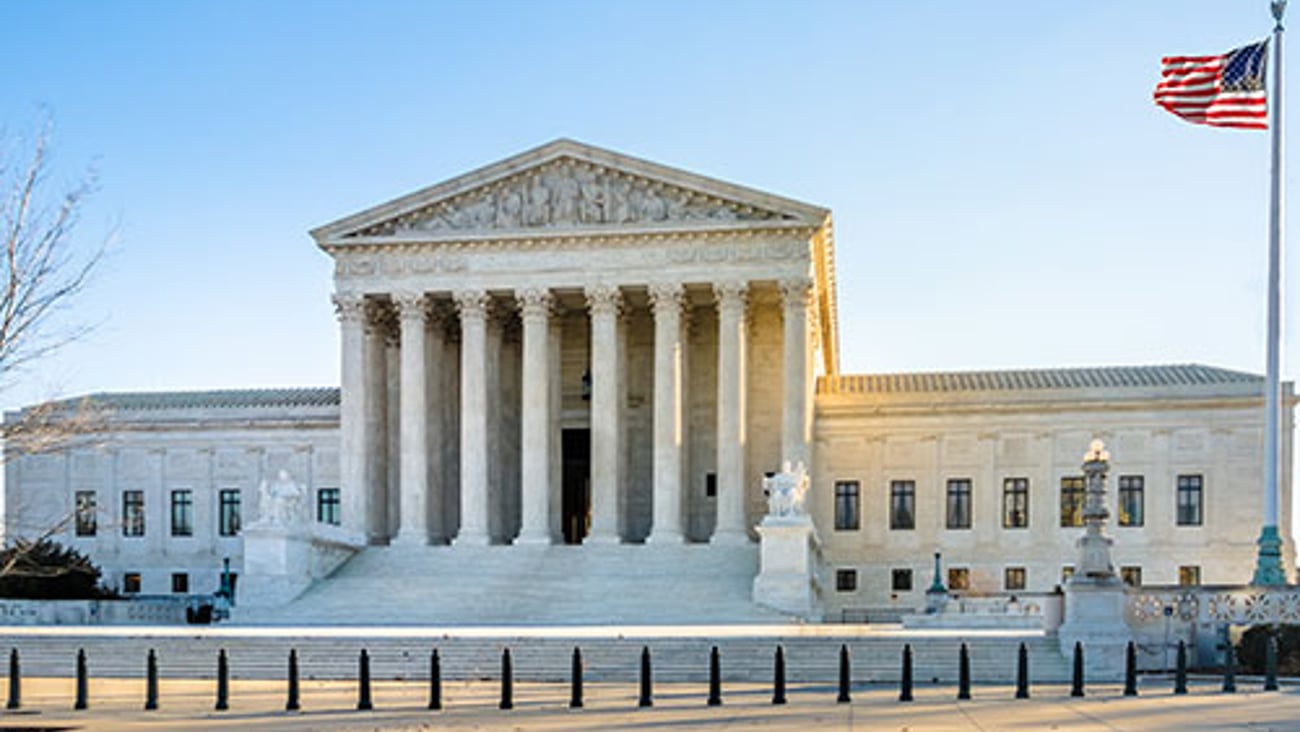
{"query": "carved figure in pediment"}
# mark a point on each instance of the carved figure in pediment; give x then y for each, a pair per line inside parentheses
(537, 212)
(564, 192)
(591, 191)
(617, 212)
(653, 206)
(510, 206)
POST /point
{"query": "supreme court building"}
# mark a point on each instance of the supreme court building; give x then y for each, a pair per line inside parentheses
(573, 357)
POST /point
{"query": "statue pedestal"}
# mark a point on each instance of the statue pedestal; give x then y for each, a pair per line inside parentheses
(1094, 616)
(282, 561)
(787, 577)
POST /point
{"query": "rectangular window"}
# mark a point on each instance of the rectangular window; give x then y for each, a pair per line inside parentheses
(902, 504)
(1189, 576)
(133, 513)
(958, 578)
(87, 520)
(1131, 500)
(846, 580)
(1013, 578)
(846, 505)
(1066, 574)
(1132, 576)
(228, 514)
(131, 583)
(1015, 503)
(182, 513)
(1189, 500)
(1072, 492)
(959, 512)
(327, 506)
(180, 583)
(901, 580)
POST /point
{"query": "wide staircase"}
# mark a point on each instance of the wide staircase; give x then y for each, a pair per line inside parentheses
(531, 585)
(811, 653)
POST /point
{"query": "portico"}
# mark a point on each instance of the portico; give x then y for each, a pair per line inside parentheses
(669, 323)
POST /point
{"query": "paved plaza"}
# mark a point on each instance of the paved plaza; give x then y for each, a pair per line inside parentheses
(116, 704)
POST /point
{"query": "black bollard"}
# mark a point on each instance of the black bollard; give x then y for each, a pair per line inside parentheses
(1180, 671)
(778, 678)
(1130, 670)
(844, 697)
(83, 682)
(575, 695)
(646, 699)
(1270, 662)
(1230, 670)
(151, 682)
(15, 682)
(1076, 681)
(905, 687)
(292, 704)
(963, 673)
(715, 678)
(1022, 672)
(363, 683)
(223, 681)
(435, 681)
(507, 681)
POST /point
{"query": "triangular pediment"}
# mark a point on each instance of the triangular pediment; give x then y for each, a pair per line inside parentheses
(568, 187)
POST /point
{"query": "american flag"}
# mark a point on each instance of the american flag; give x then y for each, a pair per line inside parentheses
(1224, 91)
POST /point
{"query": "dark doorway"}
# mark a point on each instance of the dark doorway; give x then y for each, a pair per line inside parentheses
(576, 498)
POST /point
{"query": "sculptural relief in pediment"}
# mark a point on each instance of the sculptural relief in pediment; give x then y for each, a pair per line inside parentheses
(570, 194)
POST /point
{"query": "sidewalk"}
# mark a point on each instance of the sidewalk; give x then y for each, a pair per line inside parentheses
(116, 704)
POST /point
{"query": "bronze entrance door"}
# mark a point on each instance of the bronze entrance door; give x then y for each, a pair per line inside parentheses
(575, 504)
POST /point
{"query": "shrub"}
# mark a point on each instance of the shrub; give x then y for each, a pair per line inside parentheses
(1253, 646)
(46, 570)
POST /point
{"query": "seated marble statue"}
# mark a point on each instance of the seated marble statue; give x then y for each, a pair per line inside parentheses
(280, 501)
(786, 491)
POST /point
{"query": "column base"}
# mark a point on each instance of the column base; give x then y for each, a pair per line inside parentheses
(537, 539)
(1268, 565)
(407, 538)
(472, 539)
(730, 537)
(666, 537)
(602, 540)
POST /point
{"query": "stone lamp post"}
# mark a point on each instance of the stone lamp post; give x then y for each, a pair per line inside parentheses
(1094, 566)
(1095, 596)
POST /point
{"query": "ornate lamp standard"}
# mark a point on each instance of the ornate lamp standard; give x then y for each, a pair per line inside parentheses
(1094, 566)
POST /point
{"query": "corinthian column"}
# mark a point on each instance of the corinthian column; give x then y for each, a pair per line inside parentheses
(412, 313)
(354, 449)
(472, 305)
(795, 421)
(606, 445)
(666, 299)
(731, 412)
(535, 461)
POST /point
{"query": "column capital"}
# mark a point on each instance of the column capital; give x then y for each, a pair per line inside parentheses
(667, 297)
(534, 303)
(731, 295)
(796, 292)
(411, 306)
(349, 309)
(603, 299)
(472, 304)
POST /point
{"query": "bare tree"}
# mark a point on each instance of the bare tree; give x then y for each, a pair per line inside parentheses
(44, 269)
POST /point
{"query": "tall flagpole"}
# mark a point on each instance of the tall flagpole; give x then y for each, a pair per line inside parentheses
(1268, 568)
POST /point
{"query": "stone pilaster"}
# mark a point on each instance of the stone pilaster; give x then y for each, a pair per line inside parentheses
(731, 412)
(412, 311)
(472, 305)
(796, 417)
(666, 299)
(436, 398)
(606, 444)
(535, 460)
(354, 447)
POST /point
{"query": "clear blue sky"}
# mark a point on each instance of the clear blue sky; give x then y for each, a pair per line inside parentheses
(1005, 193)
